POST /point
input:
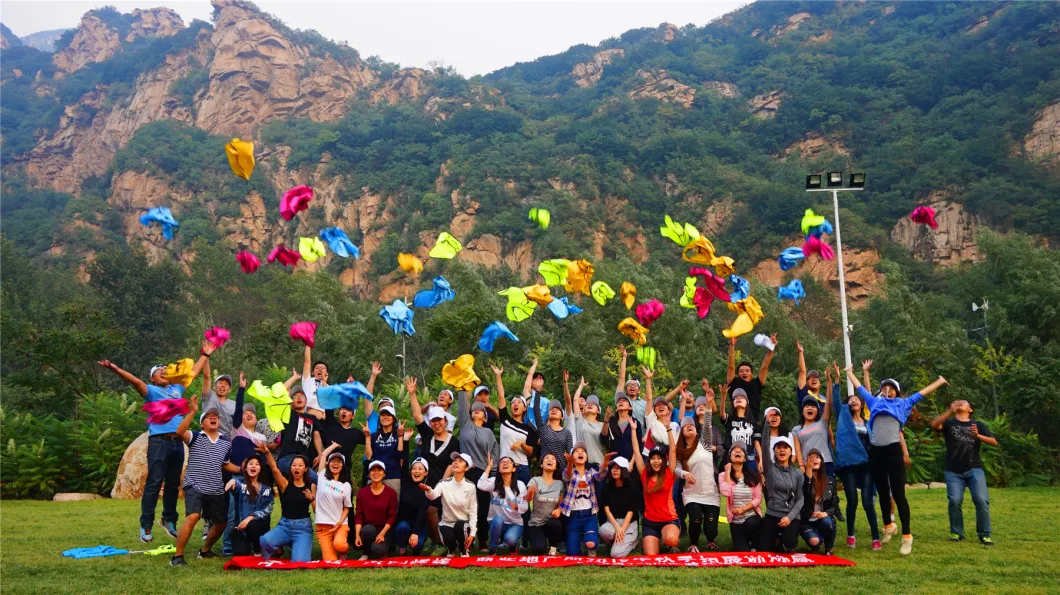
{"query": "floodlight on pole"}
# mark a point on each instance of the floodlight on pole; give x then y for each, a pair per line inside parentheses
(835, 181)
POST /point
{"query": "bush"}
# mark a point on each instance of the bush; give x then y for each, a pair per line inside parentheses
(43, 456)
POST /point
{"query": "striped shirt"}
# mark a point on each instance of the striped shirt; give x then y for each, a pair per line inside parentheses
(741, 496)
(581, 487)
(205, 459)
(555, 442)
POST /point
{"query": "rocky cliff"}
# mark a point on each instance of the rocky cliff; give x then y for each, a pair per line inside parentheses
(256, 75)
(954, 240)
(610, 156)
(1043, 142)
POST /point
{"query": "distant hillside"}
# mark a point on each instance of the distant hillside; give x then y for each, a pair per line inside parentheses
(948, 104)
(43, 40)
(8, 39)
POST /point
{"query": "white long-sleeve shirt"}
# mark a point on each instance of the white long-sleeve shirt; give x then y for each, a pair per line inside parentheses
(459, 502)
(701, 466)
(511, 507)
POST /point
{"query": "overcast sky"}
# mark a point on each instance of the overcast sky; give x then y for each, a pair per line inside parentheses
(474, 37)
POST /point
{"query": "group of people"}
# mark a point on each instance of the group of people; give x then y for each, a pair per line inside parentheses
(534, 474)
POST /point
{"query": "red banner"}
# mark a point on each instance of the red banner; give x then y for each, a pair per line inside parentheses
(701, 560)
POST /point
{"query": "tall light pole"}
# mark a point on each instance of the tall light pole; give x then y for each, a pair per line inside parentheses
(986, 335)
(834, 182)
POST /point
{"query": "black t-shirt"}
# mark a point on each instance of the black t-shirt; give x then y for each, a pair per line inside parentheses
(293, 503)
(437, 454)
(742, 429)
(622, 500)
(331, 430)
(754, 394)
(962, 449)
(297, 436)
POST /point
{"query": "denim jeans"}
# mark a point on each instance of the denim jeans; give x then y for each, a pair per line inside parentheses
(296, 533)
(284, 463)
(403, 531)
(582, 527)
(508, 534)
(522, 473)
(823, 529)
(165, 461)
(975, 480)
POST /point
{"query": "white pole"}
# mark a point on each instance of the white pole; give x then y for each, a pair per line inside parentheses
(843, 291)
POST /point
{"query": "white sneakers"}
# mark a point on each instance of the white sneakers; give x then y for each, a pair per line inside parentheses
(907, 545)
(889, 531)
(552, 551)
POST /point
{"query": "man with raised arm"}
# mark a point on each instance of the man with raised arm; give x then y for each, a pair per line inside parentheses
(165, 449)
(630, 390)
(742, 377)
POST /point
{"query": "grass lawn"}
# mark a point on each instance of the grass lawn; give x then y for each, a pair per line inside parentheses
(1025, 559)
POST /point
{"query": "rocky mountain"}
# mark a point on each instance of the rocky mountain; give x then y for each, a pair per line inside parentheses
(952, 106)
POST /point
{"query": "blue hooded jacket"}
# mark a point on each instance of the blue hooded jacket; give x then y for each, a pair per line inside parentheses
(897, 408)
(849, 449)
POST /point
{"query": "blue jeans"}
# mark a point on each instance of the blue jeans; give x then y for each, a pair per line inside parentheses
(165, 461)
(509, 534)
(522, 473)
(581, 527)
(296, 533)
(822, 529)
(284, 463)
(403, 531)
(975, 480)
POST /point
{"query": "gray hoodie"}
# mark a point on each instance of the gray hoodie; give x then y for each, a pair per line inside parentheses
(474, 440)
(783, 489)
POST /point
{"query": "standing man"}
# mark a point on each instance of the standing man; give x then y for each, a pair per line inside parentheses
(964, 468)
(209, 454)
(536, 402)
(742, 377)
(630, 390)
(314, 376)
(165, 449)
(296, 438)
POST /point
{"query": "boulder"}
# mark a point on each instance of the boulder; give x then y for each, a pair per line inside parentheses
(75, 497)
(132, 471)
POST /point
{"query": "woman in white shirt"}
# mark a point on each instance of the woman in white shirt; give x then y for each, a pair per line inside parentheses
(507, 504)
(333, 504)
(459, 507)
(695, 464)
